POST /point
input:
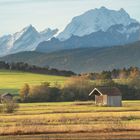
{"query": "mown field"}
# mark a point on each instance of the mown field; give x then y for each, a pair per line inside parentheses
(72, 120)
(11, 81)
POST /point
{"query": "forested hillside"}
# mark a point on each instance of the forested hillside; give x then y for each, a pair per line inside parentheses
(83, 60)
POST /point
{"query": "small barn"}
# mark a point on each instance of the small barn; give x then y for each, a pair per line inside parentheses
(107, 96)
(6, 97)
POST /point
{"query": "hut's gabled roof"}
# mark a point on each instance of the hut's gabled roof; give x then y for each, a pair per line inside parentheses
(6, 94)
(110, 91)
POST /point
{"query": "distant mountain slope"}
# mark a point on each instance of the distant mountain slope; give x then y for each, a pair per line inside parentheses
(95, 20)
(115, 35)
(85, 59)
(25, 40)
(27, 56)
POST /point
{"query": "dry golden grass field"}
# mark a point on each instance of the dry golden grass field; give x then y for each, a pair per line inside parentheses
(71, 120)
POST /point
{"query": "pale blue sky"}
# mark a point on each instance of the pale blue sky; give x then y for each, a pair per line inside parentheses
(16, 14)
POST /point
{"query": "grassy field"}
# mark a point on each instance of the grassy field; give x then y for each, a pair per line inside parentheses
(13, 81)
(72, 120)
(66, 120)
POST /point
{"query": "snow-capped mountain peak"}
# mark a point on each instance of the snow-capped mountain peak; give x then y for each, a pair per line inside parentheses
(95, 20)
(48, 31)
(27, 30)
(48, 34)
(25, 40)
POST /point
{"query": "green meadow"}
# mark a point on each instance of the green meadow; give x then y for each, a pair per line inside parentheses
(12, 81)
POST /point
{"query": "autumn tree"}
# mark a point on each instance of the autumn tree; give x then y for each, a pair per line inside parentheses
(134, 73)
(123, 74)
(76, 88)
(24, 92)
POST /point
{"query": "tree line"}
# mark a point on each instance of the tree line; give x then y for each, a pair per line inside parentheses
(76, 89)
(131, 72)
(125, 73)
(21, 66)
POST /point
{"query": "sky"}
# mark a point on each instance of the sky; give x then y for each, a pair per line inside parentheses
(17, 14)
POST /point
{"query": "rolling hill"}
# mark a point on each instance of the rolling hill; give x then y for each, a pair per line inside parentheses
(84, 59)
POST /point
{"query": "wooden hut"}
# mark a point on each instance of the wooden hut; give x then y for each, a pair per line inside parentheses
(6, 97)
(107, 96)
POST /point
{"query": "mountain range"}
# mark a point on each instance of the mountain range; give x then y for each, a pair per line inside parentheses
(95, 20)
(115, 35)
(95, 28)
(25, 40)
(99, 39)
